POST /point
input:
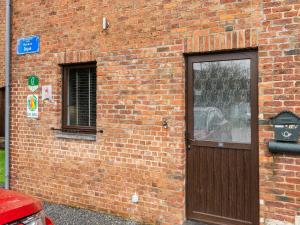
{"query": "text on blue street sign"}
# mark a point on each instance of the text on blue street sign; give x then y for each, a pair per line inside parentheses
(28, 45)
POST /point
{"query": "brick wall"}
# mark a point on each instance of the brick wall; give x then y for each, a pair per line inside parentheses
(2, 43)
(140, 78)
(279, 51)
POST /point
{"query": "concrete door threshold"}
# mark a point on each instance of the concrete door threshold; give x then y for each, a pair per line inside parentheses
(189, 222)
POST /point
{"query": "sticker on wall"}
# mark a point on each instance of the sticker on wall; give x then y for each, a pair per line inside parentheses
(33, 83)
(32, 106)
(47, 93)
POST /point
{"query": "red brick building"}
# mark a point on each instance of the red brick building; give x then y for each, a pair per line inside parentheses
(143, 129)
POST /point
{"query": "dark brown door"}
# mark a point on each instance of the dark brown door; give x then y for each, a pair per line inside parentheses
(222, 142)
(2, 111)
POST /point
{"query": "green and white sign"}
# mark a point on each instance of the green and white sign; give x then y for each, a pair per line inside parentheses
(32, 106)
(33, 83)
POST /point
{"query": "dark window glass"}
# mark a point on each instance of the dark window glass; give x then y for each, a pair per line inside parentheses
(80, 98)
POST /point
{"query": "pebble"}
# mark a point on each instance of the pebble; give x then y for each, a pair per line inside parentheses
(64, 215)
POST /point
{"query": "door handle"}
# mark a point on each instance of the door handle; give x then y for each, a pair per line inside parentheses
(188, 147)
(189, 144)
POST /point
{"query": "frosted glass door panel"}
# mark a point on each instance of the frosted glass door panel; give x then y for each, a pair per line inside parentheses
(222, 110)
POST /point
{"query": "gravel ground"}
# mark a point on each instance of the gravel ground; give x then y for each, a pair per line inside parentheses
(63, 215)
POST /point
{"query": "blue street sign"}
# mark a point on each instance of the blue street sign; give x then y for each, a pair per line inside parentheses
(28, 45)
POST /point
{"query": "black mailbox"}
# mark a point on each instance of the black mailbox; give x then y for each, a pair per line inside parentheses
(286, 125)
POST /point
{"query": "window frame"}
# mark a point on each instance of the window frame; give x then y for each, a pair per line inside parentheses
(65, 71)
(223, 56)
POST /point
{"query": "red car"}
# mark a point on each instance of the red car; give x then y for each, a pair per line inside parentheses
(20, 209)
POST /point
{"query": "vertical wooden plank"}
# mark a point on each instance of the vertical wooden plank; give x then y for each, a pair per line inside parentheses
(232, 183)
(201, 187)
(247, 180)
(210, 181)
(197, 179)
(204, 179)
(225, 184)
(240, 192)
(191, 182)
(217, 181)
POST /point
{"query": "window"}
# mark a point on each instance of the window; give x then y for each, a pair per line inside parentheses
(79, 98)
(222, 111)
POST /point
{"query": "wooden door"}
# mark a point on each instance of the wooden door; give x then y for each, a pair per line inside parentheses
(222, 142)
(2, 111)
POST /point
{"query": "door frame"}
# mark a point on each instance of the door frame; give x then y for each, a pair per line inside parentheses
(254, 124)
